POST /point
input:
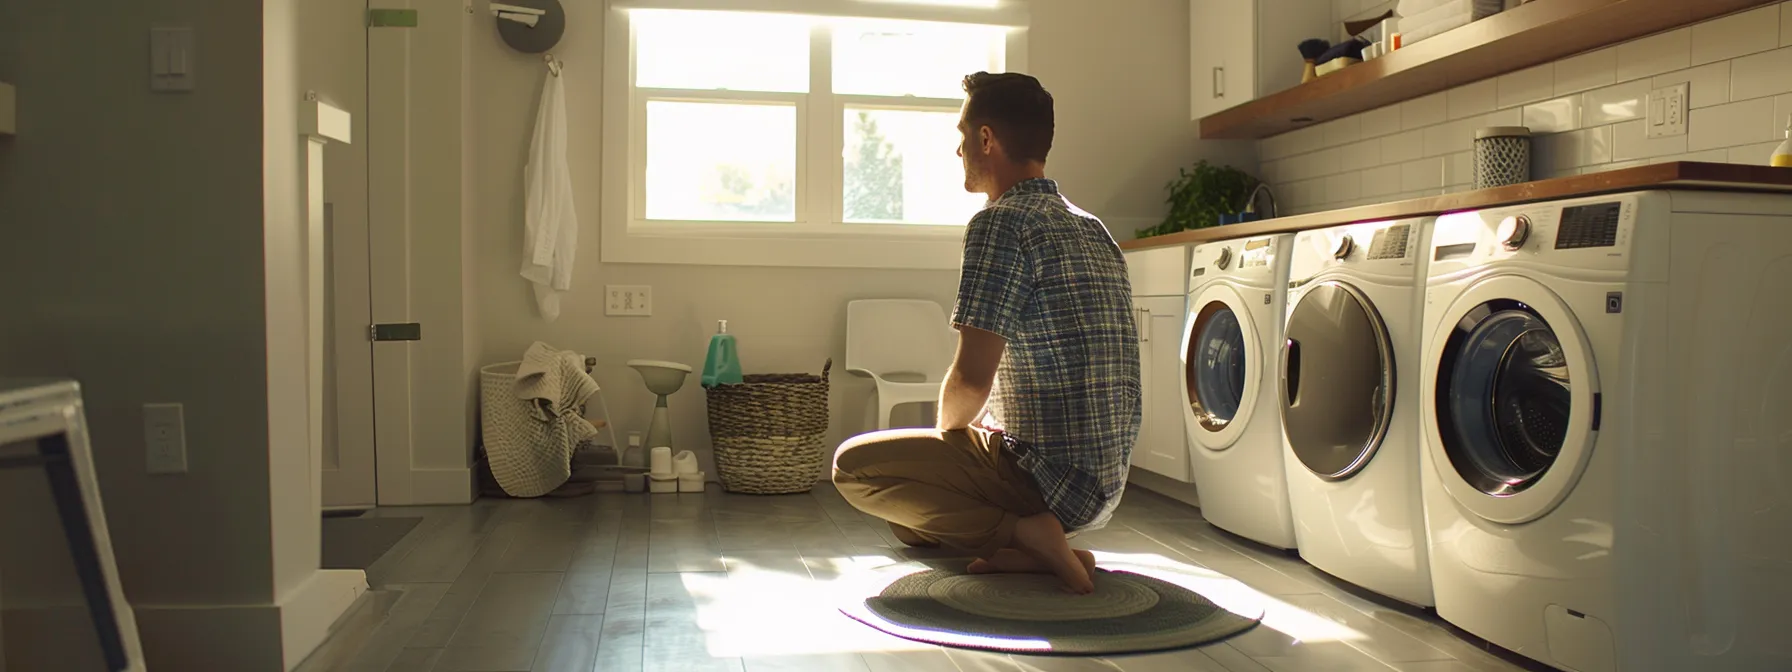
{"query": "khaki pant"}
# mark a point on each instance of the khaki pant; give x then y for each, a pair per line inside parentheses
(956, 489)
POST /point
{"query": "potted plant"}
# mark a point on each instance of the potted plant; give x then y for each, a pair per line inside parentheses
(1199, 196)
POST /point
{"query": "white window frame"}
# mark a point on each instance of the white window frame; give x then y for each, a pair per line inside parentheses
(812, 241)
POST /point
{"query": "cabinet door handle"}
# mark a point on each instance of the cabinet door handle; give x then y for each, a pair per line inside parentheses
(1219, 82)
(1144, 325)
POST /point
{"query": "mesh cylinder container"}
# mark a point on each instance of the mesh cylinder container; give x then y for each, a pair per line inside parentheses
(770, 432)
(1502, 156)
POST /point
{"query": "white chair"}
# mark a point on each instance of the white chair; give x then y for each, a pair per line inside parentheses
(886, 338)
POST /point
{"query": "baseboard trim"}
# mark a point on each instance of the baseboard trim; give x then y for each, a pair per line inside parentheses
(307, 614)
(1166, 486)
(237, 637)
(439, 486)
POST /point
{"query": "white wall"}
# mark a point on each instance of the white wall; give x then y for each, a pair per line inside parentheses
(1585, 110)
(1118, 71)
(142, 222)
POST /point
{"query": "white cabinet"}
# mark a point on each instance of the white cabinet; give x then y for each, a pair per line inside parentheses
(1159, 288)
(1240, 50)
(1163, 442)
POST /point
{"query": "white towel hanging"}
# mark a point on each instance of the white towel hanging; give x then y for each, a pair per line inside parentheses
(550, 223)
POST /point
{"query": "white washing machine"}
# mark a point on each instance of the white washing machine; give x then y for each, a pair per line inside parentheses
(1607, 405)
(1349, 404)
(1235, 307)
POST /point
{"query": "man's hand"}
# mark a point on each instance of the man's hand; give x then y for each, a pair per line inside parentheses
(970, 379)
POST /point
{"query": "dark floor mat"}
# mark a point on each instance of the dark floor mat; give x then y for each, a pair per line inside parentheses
(356, 543)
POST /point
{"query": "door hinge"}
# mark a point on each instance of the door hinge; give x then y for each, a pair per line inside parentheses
(392, 18)
(409, 331)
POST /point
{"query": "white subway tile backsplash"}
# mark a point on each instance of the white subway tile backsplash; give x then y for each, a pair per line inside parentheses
(1708, 156)
(1586, 71)
(1456, 136)
(1566, 151)
(1759, 155)
(1527, 86)
(1344, 187)
(1385, 121)
(1786, 24)
(1608, 167)
(1422, 174)
(1307, 140)
(1310, 192)
(1310, 166)
(1343, 131)
(1270, 171)
(1510, 117)
(1365, 154)
(1459, 168)
(1474, 99)
(1707, 85)
(1631, 141)
(1383, 181)
(1765, 74)
(1596, 145)
(1614, 103)
(1403, 147)
(1736, 35)
(1654, 55)
(1422, 112)
(1554, 116)
(1744, 123)
(1275, 147)
(1782, 110)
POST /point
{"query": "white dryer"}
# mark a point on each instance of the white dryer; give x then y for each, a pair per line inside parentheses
(1235, 306)
(1607, 409)
(1349, 404)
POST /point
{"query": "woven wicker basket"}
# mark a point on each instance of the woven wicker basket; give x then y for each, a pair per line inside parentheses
(770, 432)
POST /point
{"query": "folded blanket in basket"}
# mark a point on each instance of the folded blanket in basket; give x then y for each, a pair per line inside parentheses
(554, 381)
(530, 439)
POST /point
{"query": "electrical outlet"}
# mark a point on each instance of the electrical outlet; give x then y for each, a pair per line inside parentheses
(165, 436)
(1667, 111)
(628, 300)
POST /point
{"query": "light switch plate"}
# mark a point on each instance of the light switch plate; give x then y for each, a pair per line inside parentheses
(1667, 110)
(165, 438)
(172, 62)
(628, 300)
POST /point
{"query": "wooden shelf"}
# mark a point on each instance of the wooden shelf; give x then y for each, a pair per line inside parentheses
(1676, 175)
(1531, 34)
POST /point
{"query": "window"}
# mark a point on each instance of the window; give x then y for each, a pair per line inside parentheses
(744, 126)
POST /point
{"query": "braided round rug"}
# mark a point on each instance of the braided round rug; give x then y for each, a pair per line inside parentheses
(1030, 613)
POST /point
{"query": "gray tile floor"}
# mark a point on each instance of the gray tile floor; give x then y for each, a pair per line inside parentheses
(715, 581)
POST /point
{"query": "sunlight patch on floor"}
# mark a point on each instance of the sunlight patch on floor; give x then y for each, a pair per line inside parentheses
(767, 611)
(1233, 595)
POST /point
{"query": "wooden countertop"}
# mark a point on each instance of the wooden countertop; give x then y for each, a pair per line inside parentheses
(1678, 175)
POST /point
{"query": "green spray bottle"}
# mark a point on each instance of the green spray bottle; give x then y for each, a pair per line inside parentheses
(722, 366)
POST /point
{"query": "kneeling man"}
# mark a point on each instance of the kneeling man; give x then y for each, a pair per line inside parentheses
(1039, 412)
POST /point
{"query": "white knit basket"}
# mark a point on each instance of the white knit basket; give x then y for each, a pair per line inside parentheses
(528, 457)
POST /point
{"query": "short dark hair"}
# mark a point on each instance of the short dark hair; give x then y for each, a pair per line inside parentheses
(1016, 108)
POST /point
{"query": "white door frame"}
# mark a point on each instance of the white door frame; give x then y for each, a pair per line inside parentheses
(339, 77)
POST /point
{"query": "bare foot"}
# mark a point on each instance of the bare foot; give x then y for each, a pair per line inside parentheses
(1042, 537)
(1015, 561)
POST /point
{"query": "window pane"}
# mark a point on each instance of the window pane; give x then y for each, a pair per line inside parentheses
(721, 162)
(897, 58)
(902, 166)
(721, 50)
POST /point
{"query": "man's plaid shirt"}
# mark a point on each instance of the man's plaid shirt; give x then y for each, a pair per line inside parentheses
(1048, 278)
